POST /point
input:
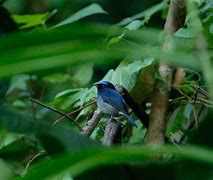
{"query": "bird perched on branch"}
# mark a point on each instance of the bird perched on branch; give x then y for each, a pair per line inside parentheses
(111, 102)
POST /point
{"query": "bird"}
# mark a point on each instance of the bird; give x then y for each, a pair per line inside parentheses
(111, 102)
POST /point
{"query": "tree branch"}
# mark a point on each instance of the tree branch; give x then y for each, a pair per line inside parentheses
(92, 123)
(157, 123)
(110, 132)
(73, 112)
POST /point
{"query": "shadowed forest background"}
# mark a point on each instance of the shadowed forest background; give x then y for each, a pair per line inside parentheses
(158, 53)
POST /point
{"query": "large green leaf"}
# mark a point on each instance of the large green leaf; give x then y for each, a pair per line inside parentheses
(77, 163)
(126, 73)
(72, 45)
(87, 11)
(62, 138)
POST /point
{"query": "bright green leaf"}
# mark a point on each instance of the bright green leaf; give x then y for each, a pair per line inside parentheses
(27, 21)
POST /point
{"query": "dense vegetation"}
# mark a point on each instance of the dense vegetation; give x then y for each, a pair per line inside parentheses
(159, 52)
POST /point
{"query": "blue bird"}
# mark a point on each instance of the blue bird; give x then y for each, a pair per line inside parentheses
(111, 102)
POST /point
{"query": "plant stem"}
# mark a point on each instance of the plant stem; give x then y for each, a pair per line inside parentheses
(157, 123)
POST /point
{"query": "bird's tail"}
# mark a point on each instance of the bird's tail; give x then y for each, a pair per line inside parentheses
(131, 121)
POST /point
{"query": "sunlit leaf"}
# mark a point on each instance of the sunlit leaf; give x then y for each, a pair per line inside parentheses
(27, 21)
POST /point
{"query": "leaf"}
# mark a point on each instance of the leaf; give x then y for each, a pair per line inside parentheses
(62, 138)
(27, 21)
(40, 51)
(57, 78)
(126, 74)
(20, 83)
(188, 89)
(6, 171)
(188, 111)
(147, 13)
(77, 163)
(134, 25)
(83, 75)
(67, 93)
(185, 33)
(87, 11)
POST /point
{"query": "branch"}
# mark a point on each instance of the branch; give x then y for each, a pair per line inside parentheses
(92, 123)
(157, 123)
(73, 112)
(57, 111)
(111, 132)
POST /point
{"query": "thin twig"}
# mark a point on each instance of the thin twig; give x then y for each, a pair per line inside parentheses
(195, 116)
(57, 111)
(31, 160)
(75, 111)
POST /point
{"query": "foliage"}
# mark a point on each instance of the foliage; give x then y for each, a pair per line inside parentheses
(57, 64)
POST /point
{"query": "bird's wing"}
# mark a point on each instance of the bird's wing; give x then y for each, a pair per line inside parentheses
(115, 99)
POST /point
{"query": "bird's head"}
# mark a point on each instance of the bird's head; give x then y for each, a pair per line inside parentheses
(104, 84)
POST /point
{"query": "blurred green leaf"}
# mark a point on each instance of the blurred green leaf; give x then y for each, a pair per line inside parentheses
(134, 25)
(86, 71)
(20, 83)
(57, 78)
(78, 162)
(6, 171)
(188, 89)
(185, 33)
(87, 11)
(67, 93)
(188, 110)
(62, 138)
(145, 14)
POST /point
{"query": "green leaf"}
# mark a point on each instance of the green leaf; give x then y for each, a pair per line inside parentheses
(20, 83)
(147, 13)
(134, 25)
(188, 89)
(188, 111)
(126, 73)
(67, 93)
(6, 171)
(61, 138)
(185, 33)
(27, 21)
(56, 78)
(87, 11)
(77, 163)
(75, 45)
(86, 71)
